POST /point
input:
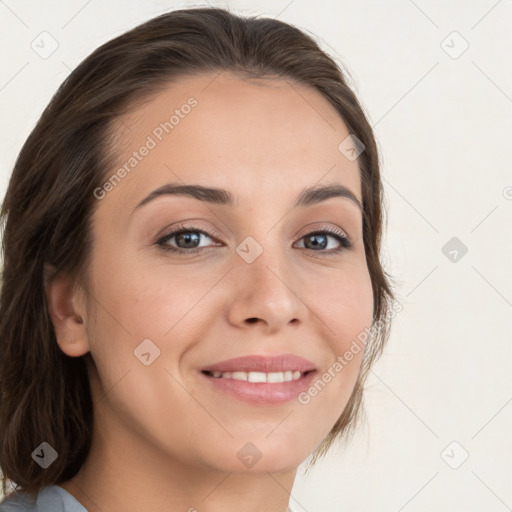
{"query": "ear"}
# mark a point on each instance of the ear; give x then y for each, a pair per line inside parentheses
(67, 311)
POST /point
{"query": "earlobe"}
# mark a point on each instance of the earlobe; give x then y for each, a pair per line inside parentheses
(66, 311)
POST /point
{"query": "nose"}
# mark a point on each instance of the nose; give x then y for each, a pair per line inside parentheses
(266, 295)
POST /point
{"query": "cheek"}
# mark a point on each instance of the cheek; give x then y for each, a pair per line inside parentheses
(140, 302)
(345, 303)
(143, 312)
(346, 310)
(169, 307)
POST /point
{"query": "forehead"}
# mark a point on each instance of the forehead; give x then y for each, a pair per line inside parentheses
(273, 136)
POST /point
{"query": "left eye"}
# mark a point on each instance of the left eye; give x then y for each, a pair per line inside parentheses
(320, 239)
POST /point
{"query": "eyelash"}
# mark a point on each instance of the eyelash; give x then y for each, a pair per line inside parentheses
(345, 242)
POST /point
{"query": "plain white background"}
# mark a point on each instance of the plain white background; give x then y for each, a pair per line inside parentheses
(434, 77)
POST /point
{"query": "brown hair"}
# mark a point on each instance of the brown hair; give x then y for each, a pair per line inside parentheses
(47, 210)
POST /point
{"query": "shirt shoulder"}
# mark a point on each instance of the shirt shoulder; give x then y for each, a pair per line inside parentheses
(18, 502)
(51, 498)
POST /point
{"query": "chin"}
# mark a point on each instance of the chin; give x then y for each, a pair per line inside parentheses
(262, 457)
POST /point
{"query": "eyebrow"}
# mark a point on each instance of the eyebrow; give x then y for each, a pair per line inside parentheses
(309, 196)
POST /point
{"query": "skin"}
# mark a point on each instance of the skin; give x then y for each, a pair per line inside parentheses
(164, 439)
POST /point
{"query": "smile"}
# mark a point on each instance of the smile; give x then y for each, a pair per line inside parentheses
(249, 387)
(272, 377)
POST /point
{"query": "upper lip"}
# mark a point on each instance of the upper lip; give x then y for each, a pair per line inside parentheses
(260, 363)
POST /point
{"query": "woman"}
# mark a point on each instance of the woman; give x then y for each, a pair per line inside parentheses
(192, 295)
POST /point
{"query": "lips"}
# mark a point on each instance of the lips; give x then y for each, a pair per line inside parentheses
(264, 364)
(260, 380)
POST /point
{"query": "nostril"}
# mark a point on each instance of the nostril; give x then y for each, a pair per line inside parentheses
(251, 320)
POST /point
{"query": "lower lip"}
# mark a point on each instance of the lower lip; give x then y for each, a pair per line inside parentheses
(262, 393)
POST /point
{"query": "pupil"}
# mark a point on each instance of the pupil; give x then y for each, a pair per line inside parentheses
(189, 239)
(315, 242)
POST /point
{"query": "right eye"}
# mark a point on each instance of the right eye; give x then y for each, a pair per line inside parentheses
(186, 240)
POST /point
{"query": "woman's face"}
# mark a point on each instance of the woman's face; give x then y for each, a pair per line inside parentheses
(250, 278)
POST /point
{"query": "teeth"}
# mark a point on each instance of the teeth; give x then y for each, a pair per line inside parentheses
(260, 376)
(256, 377)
